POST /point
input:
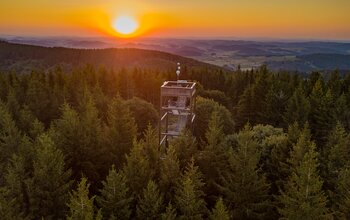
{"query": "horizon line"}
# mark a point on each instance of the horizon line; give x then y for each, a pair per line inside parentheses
(224, 38)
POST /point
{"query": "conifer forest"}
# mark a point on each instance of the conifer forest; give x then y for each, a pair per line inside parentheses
(82, 143)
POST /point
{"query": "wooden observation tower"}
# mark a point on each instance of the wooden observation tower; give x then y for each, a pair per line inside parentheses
(177, 103)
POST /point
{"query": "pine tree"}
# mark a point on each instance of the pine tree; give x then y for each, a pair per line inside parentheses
(335, 155)
(37, 97)
(214, 156)
(341, 199)
(303, 197)
(9, 208)
(252, 102)
(298, 108)
(301, 147)
(79, 137)
(170, 213)
(150, 143)
(219, 211)
(115, 196)
(185, 147)
(50, 184)
(121, 130)
(80, 205)
(322, 115)
(189, 195)
(10, 137)
(137, 169)
(150, 205)
(14, 192)
(169, 173)
(242, 185)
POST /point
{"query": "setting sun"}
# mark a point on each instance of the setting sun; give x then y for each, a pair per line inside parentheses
(125, 25)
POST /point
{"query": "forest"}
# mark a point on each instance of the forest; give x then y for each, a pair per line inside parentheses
(83, 144)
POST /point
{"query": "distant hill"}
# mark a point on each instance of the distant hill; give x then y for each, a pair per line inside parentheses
(23, 58)
(163, 54)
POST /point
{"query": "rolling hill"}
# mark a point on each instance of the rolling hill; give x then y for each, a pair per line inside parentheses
(24, 58)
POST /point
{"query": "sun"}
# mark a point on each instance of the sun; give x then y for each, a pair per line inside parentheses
(125, 25)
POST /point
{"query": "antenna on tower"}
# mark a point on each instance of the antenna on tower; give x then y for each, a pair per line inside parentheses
(178, 71)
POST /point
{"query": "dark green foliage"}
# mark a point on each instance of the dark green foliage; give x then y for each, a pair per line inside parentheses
(9, 206)
(219, 211)
(115, 196)
(298, 108)
(300, 148)
(143, 112)
(72, 118)
(169, 214)
(252, 103)
(15, 191)
(121, 131)
(185, 147)
(322, 117)
(243, 186)
(37, 97)
(137, 169)
(151, 147)
(79, 137)
(341, 205)
(169, 173)
(80, 205)
(150, 204)
(189, 195)
(303, 197)
(218, 96)
(50, 184)
(336, 154)
(213, 158)
(204, 109)
(10, 137)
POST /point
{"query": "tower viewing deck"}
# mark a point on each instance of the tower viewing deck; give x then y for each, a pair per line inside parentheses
(177, 103)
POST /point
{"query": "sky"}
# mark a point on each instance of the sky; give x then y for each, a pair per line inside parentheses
(271, 19)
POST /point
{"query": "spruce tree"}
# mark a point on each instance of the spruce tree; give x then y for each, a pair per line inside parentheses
(15, 192)
(150, 204)
(10, 137)
(169, 173)
(9, 207)
(79, 137)
(185, 147)
(298, 108)
(322, 115)
(80, 205)
(335, 155)
(189, 197)
(219, 211)
(115, 196)
(150, 144)
(121, 131)
(137, 169)
(50, 184)
(170, 213)
(243, 186)
(341, 198)
(301, 147)
(303, 197)
(214, 156)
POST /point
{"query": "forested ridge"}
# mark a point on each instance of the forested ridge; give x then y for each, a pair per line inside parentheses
(83, 144)
(24, 58)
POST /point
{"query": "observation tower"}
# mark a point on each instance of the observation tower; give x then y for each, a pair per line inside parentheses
(177, 104)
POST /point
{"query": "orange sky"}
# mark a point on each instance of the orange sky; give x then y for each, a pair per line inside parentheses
(305, 19)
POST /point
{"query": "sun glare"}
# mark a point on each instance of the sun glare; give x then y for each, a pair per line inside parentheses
(125, 25)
